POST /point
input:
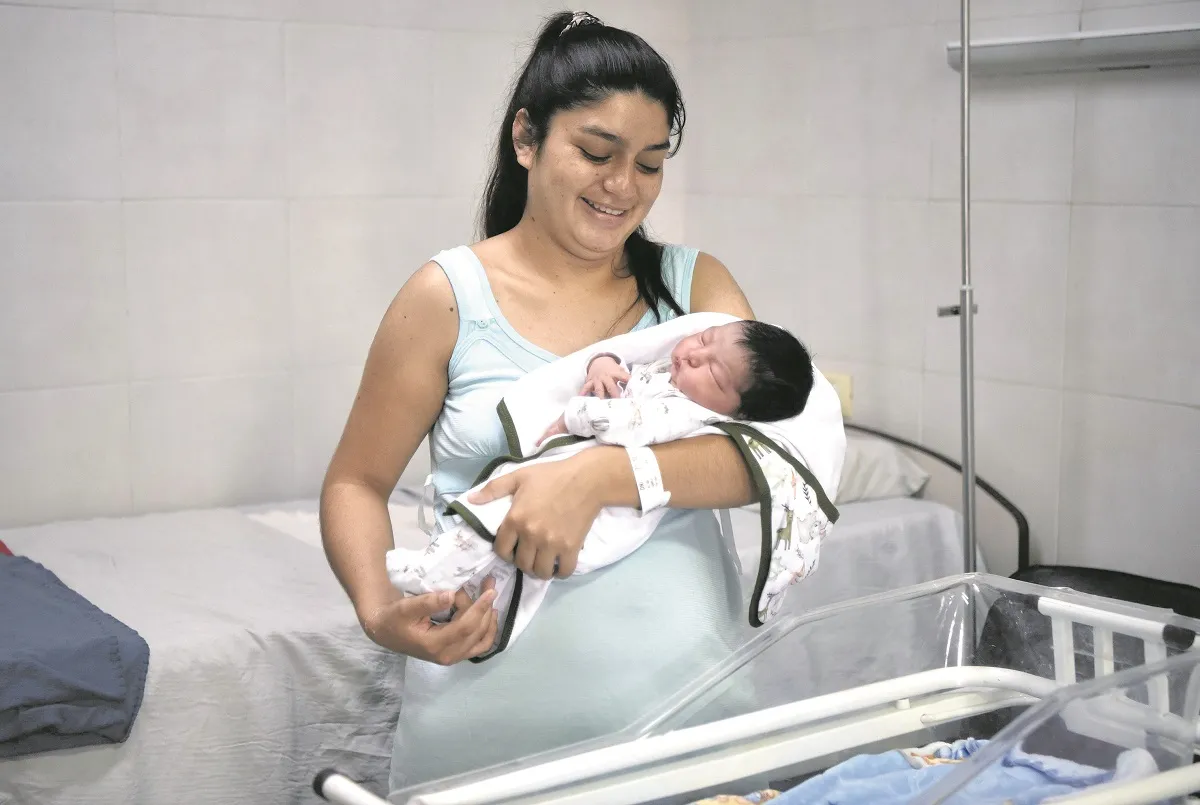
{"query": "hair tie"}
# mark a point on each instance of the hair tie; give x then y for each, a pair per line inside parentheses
(580, 18)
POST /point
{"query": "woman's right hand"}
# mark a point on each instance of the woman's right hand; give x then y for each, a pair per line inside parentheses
(404, 625)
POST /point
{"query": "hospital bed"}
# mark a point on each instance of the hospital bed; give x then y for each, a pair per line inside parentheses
(259, 671)
(1108, 689)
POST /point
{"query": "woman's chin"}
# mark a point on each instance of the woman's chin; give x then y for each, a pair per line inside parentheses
(600, 243)
(602, 239)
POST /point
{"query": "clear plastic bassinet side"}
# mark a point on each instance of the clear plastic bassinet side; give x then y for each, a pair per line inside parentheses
(1126, 737)
(955, 658)
(970, 622)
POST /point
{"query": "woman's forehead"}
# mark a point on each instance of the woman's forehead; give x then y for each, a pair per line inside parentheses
(628, 116)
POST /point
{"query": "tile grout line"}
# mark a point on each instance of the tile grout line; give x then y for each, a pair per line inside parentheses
(124, 242)
(289, 278)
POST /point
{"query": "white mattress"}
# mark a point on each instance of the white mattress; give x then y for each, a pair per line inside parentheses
(259, 674)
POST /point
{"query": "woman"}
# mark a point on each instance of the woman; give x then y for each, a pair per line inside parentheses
(565, 263)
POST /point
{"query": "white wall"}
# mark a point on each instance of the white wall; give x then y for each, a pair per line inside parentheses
(205, 207)
(823, 168)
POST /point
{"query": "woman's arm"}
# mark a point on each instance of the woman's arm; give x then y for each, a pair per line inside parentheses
(402, 389)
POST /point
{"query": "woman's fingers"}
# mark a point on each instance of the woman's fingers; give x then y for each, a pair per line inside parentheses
(565, 565)
(495, 489)
(462, 602)
(484, 644)
(544, 564)
(526, 556)
(506, 539)
(485, 636)
(454, 641)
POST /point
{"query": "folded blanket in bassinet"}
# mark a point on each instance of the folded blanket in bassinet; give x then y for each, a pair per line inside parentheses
(795, 466)
(70, 675)
(901, 776)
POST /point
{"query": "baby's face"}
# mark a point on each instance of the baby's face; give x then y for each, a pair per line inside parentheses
(711, 369)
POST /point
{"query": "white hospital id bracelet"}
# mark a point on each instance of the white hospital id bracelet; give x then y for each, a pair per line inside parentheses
(648, 478)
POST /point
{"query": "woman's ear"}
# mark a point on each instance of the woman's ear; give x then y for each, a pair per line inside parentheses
(523, 141)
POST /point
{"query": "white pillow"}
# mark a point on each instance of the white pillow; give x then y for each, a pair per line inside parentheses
(876, 468)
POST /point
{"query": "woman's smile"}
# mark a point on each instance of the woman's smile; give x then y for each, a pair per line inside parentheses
(604, 208)
(604, 215)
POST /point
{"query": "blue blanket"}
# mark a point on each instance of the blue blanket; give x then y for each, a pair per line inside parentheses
(902, 776)
(70, 674)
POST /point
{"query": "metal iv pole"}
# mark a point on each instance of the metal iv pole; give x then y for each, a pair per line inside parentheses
(966, 308)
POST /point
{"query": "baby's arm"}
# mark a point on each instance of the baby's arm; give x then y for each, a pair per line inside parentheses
(632, 422)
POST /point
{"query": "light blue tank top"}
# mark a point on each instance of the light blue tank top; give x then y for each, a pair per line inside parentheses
(605, 648)
(490, 354)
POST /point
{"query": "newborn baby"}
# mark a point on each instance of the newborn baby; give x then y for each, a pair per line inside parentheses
(744, 370)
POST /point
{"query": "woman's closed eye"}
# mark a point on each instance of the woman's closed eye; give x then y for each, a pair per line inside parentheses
(600, 160)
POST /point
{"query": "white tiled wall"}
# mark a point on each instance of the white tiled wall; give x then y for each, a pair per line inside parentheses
(824, 170)
(205, 208)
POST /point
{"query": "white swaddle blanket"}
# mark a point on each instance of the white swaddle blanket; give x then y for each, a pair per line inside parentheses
(795, 466)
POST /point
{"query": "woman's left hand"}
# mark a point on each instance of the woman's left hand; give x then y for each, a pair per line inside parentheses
(553, 506)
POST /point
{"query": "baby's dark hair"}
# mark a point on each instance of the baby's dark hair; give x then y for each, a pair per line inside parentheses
(781, 373)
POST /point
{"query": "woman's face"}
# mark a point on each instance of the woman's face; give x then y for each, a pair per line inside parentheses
(598, 173)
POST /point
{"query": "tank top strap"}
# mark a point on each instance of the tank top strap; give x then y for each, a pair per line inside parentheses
(678, 266)
(468, 281)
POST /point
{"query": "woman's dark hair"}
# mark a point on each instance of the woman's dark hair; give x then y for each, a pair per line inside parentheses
(578, 60)
(781, 373)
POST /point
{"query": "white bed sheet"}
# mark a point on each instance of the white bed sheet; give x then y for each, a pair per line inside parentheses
(259, 673)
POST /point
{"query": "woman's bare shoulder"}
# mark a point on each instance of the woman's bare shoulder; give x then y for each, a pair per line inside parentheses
(423, 315)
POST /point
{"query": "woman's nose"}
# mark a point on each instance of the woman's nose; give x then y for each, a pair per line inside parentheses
(618, 181)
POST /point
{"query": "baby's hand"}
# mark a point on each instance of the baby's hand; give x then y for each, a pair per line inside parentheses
(605, 379)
